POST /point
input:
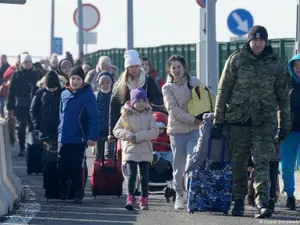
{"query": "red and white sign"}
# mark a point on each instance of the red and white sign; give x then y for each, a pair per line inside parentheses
(201, 3)
(91, 17)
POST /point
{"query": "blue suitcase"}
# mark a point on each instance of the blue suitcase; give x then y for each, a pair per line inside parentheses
(210, 185)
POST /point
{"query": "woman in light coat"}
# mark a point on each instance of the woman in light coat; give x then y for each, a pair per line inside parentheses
(183, 128)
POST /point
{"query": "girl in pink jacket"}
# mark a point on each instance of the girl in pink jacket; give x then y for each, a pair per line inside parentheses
(136, 128)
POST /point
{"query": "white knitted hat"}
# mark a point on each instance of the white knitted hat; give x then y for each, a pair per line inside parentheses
(131, 58)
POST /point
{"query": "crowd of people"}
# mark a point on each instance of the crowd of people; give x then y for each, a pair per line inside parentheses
(74, 106)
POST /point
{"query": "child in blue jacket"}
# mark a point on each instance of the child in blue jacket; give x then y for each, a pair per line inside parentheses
(78, 128)
(290, 149)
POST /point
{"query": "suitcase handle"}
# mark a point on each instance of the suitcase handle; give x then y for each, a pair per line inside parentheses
(116, 152)
(224, 139)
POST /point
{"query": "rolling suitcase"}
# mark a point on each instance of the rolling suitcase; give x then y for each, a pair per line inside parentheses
(51, 180)
(107, 177)
(210, 185)
(34, 157)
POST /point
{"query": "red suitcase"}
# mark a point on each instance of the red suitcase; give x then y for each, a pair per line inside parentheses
(107, 177)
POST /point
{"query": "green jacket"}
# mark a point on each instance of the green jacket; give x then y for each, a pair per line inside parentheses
(253, 88)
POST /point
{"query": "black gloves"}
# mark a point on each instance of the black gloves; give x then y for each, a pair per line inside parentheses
(216, 132)
(283, 133)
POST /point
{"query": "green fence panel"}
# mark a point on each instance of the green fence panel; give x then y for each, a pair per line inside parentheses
(161, 62)
(159, 55)
(154, 57)
(179, 50)
(193, 59)
(289, 48)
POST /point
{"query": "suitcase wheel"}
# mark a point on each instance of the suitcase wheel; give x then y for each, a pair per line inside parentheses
(225, 213)
(191, 211)
(168, 194)
(119, 196)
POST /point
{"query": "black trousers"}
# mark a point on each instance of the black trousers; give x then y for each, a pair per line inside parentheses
(105, 148)
(23, 121)
(144, 176)
(71, 164)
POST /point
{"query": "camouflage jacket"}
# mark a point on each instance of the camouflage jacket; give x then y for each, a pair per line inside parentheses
(253, 88)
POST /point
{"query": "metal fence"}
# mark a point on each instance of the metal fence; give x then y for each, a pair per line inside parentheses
(159, 55)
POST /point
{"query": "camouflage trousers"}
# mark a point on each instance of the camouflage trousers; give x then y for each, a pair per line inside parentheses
(258, 142)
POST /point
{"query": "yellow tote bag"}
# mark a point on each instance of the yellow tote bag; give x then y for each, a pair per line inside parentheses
(201, 101)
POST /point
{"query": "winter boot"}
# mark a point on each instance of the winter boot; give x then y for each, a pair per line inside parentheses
(78, 196)
(291, 203)
(263, 211)
(239, 208)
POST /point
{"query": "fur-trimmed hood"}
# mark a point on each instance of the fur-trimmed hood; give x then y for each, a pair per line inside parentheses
(127, 109)
(62, 81)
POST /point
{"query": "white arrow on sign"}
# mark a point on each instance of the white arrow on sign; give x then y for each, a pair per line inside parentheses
(242, 24)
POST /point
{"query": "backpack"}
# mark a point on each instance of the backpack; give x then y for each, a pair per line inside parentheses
(201, 101)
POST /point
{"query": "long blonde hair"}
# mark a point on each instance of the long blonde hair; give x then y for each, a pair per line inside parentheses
(123, 85)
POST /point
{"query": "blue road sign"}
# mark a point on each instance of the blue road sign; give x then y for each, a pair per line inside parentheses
(58, 46)
(240, 22)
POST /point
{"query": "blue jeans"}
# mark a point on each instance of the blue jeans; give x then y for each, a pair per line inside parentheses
(182, 147)
(290, 151)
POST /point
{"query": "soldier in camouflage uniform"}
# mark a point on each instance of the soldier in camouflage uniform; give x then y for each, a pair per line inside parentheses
(252, 85)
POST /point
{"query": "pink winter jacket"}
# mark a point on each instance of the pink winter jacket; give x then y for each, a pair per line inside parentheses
(144, 127)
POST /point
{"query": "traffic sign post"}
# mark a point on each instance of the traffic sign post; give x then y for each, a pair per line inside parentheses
(240, 22)
(58, 45)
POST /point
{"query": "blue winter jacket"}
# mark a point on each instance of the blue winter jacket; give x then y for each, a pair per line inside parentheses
(295, 96)
(78, 116)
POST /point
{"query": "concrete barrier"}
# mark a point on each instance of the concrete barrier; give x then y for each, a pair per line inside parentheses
(10, 185)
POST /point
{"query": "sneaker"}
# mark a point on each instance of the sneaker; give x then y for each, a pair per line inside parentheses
(239, 208)
(144, 203)
(65, 190)
(130, 202)
(179, 202)
(291, 203)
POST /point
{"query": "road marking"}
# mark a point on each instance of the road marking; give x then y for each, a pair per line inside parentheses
(124, 214)
(27, 211)
(77, 220)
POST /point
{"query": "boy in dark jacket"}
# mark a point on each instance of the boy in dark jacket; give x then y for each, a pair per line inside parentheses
(44, 114)
(78, 127)
(105, 82)
(44, 111)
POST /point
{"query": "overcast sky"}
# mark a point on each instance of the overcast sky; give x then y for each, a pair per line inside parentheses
(157, 22)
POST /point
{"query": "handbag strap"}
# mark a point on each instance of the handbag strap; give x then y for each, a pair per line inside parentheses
(210, 99)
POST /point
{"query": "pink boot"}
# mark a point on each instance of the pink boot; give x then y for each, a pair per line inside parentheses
(144, 203)
(130, 202)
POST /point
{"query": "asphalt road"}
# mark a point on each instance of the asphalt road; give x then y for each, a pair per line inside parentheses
(104, 210)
